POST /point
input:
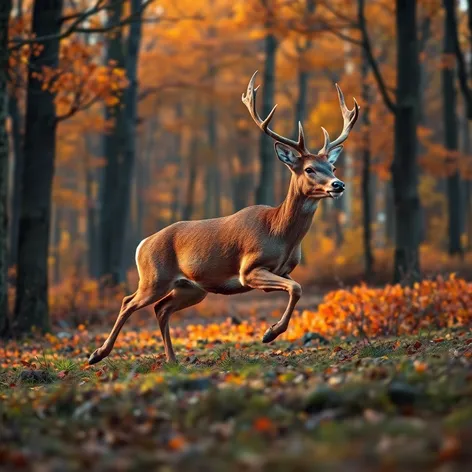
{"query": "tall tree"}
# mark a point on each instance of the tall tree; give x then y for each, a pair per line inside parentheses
(119, 146)
(405, 109)
(366, 171)
(212, 177)
(242, 177)
(467, 183)
(451, 134)
(192, 166)
(17, 140)
(303, 82)
(130, 119)
(91, 209)
(31, 305)
(15, 190)
(265, 188)
(5, 10)
(405, 166)
(110, 259)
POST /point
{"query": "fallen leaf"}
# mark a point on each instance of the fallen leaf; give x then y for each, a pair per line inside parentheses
(420, 367)
(263, 425)
(177, 443)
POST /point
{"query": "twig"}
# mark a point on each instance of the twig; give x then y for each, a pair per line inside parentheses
(373, 63)
(74, 27)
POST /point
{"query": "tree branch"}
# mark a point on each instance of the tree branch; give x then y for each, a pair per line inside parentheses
(340, 15)
(364, 43)
(340, 35)
(450, 7)
(99, 5)
(76, 107)
(373, 63)
(74, 26)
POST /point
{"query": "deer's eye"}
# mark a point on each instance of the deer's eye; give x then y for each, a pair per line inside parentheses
(309, 170)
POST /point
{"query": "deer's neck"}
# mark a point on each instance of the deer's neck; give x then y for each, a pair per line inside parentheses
(293, 217)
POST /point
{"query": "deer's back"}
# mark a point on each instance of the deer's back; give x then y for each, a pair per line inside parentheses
(211, 251)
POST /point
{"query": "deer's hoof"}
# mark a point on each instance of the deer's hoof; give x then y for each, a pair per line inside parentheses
(95, 357)
(269, 336)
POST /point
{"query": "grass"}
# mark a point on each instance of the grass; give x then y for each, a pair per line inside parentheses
(373, 404)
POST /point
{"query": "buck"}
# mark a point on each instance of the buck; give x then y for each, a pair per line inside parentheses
(255, 248)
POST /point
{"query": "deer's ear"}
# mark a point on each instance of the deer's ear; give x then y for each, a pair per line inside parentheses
(285, 154)
(334, 154)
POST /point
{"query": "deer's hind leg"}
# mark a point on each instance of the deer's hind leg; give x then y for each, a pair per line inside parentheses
(144, 296)
(185, 294)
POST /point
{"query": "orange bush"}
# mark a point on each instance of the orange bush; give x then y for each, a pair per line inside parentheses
(363, 311)
(392, 310)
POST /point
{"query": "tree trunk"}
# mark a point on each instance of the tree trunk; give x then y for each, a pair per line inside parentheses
(212, 176)
(467, 183)
(404, 166)
(265, 189)
(4, 319)
(15, 189)
(366, 174)
(110, 267)
(451, 139)
(425, 34)
(143, 173)
(92, 214)
(242, 178)
(177, 160)
(389, 213)
(300, 115)
(301, 105)
(31, 305)
(192, 164)
(55, 243)
(130, 118)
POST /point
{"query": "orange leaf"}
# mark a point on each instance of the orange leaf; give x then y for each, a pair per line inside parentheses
(420, 367)
(263, 425)
(177, 443)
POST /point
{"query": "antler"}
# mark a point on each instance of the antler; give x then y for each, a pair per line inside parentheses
(349, 116)
(250, 101)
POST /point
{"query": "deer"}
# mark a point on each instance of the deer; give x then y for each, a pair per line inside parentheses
(256, 248)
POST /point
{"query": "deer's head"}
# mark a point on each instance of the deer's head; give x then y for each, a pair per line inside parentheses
(313, 173)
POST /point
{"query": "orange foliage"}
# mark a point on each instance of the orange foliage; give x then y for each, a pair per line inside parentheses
(363, 311)
(79, 81)
(393, 309)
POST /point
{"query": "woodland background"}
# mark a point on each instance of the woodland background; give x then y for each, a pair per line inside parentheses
(119, 117)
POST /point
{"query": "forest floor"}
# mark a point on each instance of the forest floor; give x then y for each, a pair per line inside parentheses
(387, 404)
(305, 402)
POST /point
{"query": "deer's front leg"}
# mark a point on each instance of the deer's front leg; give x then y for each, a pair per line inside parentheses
(262, 279)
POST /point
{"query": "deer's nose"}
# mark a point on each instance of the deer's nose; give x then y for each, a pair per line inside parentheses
(338, 185)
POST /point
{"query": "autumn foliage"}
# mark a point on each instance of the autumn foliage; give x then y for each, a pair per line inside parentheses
(364, 311)
(393, 310)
